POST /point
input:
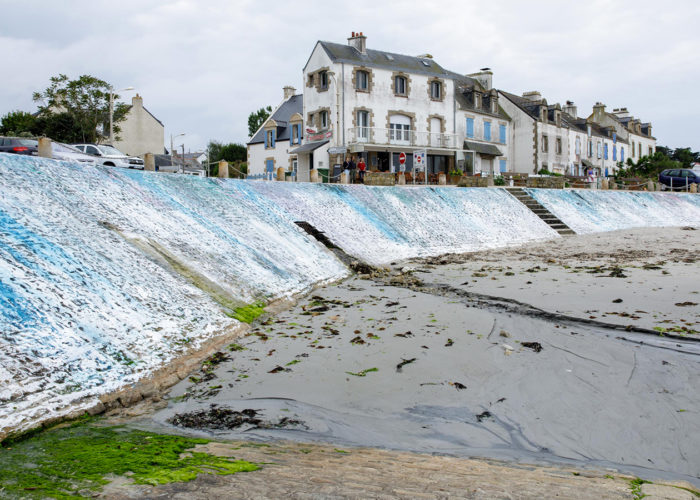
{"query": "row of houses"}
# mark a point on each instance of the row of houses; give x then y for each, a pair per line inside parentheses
(358, 102)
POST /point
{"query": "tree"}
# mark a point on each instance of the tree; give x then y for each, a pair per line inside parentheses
(84, 104)
(234, 153)
(257, 118)
(18, 123)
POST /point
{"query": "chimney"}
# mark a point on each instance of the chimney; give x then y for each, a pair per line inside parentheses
(137, 101)
(532, 96)
(598, 112)
(570, 109)
(288, 91)
(359, 42)
(484, 77)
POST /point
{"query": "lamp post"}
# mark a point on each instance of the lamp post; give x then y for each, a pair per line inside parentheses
(171, 146)
(111, 112)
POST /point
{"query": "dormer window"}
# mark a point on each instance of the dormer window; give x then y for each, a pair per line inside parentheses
(362, 80)
(324, 119)
(436, 90)
(400, 85)
(324, 80)
(543, 115)
(477, 100)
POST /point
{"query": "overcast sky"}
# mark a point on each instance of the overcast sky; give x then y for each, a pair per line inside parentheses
(202, 67)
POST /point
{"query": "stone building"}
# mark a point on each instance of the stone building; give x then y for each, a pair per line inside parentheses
(141, 132)
(269, 148)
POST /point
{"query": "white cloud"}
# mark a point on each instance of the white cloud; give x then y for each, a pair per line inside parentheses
(202, 67)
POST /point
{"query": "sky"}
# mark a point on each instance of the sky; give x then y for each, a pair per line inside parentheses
(203, 66)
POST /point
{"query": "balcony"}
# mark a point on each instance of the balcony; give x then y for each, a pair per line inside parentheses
(402, 137)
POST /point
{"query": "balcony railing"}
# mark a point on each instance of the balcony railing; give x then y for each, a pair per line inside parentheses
(402, 137)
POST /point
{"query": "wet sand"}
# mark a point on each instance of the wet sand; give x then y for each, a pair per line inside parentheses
(365, 363)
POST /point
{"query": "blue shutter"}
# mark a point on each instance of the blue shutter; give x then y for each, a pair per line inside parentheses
(503, 164)
(614, 153)
(298, 133)
(622, 154)
(265, 134)
(502, 134)
(487, 131)
(605, 151)
(470, 127)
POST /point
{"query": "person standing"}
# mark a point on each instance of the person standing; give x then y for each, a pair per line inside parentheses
(361, 167)
(352, 166)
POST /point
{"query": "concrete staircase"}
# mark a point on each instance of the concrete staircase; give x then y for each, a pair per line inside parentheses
(540, 211)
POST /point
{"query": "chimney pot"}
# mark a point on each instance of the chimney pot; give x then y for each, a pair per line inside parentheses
(353, 34)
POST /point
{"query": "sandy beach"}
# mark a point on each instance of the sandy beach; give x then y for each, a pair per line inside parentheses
(400, 363)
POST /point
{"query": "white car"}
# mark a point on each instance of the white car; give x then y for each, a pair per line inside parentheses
(110, 156)
(60, 151)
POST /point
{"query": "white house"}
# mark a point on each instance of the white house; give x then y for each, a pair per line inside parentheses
(269, 148)
(375, 104)
(141, 132)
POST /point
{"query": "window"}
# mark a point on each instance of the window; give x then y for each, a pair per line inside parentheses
(470, 127)
(600, 150)
(545, 144)
(590, 149)
(363, 125)
(436, 90)
(487, 131)
(324, 119)
(502, 134)
(400, 85)
(400, 129)
(324, 80)
(312, 123)
(578, 145)
(632, 150)
(362, 80)
(557, 146)
(270, 139)
(639, 149)
(502, 165)
(92, 150)
(296, 133)
(651, 150)
(605, 151)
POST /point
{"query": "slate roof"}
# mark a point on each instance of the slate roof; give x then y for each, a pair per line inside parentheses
(282, 115)
(378, 59)
(308, 147)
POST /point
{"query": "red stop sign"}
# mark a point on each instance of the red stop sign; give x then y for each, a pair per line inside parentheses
(402, 158)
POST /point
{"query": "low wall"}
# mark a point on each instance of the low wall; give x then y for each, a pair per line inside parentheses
(546, 182)
(379, 179)
(471, 181)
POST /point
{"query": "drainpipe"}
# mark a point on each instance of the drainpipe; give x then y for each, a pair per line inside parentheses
(342, 78)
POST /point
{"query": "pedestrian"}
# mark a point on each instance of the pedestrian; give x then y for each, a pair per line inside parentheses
(361, 167)
(352, 166)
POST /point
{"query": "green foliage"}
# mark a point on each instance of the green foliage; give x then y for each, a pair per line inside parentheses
(363, 373)
(234, 153)
(257, 118)
(684, 156)
(544, 171)
(72, 462)
(647, 167)
(17, 122)
(85, 105)
(456, 172)
(499, 181)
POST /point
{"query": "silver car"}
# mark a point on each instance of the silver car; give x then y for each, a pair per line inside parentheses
(110, 156)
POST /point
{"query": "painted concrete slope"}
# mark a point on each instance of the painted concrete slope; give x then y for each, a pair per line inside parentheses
(106, 274)
(591, 211)
(383, 224)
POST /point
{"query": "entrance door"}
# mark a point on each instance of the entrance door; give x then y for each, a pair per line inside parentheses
(269, 169)
(435, 133)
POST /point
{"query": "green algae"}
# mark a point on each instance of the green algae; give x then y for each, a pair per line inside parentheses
(73, 461)
(249, 313)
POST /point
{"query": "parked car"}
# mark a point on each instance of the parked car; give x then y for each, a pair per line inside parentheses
(110, 156)
(18, 145)
(61, 151)
(678, 178)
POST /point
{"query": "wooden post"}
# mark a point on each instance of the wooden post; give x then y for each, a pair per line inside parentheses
(402, 179)
(442, 179)
(149, 162)
(313, 175)
(693, 188)
(223, 169)
(280, 174)
(650, 185)
(45, 150)
(344, 177)
(604, 184)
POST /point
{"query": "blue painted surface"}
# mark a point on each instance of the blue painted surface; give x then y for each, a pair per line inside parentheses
(470, 127)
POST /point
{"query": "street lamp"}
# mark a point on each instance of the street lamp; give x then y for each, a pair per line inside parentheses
(171, 146)
(111, 112)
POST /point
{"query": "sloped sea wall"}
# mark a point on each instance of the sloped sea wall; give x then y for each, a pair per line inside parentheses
(107, 275)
